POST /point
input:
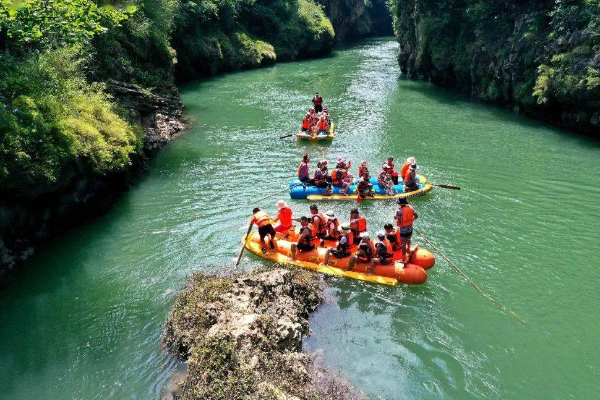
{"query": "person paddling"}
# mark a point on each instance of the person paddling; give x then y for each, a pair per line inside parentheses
(283, 222)
(305, 240)
(303, 169)
(405, 217)
(318, 102)
(265, 228)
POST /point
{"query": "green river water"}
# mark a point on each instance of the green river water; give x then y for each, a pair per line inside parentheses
(83, 319)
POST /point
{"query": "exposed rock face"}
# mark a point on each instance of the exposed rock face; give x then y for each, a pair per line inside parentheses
(242, 338)
(353, 19)
(26, 222)
(537, 58)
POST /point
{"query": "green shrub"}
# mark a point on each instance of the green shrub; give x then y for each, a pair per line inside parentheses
(51, 120)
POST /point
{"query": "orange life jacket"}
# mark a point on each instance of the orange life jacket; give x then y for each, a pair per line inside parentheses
(408, 217)
(322, 126)
(322, 227)
(359, 226)
(306, 123)
(285, 217)
(262, 219)
(337, 176)
(410, 178)
(388, 247)
(332, 226)
(404, 168)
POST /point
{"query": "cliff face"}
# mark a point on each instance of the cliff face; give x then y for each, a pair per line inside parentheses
(353, 19)
(241, 337)
(540, 57)
(25, 222)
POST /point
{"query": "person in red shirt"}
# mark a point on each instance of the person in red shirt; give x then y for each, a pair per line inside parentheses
(283, 222)
(306, 123)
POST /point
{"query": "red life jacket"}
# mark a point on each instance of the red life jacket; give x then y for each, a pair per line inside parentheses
(359, 226)
(317, 100)
(306, 123)
(404, 168)
(322, 126)
(285, 217)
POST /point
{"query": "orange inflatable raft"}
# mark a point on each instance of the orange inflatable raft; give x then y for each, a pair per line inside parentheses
(391, 274)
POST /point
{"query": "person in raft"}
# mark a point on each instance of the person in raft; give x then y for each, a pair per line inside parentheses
(305, 240)
(357, 225)
(409, 161)
(384, 179)
(303, 169)
(364, 252)
(319, 223)
(383, 252)
(392, 235)
(363, 169)
(332, 226)
(306, 123)
(342, 248)
(339, 173)
(265, 228)
(410, 179)
(405, 216)
(392, 171)
(364, 186)
(318, 102)
(283, 222)
(322, 126)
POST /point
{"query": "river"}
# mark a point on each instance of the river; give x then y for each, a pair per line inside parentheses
(83, 318)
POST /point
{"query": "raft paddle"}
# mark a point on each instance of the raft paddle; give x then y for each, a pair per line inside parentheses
(487, 296)
(445, 186)
(286, 136)
(244, 245)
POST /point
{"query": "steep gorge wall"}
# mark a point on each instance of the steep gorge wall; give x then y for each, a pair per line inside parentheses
(354, 19)
(541, 58)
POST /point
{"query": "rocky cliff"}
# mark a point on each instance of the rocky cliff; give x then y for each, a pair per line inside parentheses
(25, 222)
(541, 57)
(353, 19)
(241, 337)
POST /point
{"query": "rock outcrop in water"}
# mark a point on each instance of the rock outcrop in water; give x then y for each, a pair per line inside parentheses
(29, 220)
(241, 337)
(539, 57)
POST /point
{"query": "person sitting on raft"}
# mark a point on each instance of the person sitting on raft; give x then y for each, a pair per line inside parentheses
(283, 222)
(318, 102)
(410, 179)
(346, 183)
(357, 225)
(322, 126)
(383, 252)
(307, 123)
(364, 187)
(265, 228)
(342, 248)
(303, 169)
(319, 223)
(305, 239)
(405, 216)
(409, 161)
(384, 179)
(365, 251)
(392, 235)
(332, 226)
(392, 172)
(338, 174)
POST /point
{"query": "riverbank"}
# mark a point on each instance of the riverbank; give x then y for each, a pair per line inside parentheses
(241, 337)
(536, 58)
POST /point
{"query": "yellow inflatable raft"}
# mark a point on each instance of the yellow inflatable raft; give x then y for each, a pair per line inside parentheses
(305, 136)
(390, 274)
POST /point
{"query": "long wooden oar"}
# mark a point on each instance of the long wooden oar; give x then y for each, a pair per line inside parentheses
(276, 193)
(445, 186)
(286, 136)
(487, 296)
(244, 245)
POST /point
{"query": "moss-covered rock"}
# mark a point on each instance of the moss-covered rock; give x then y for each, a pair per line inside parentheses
(241, 337)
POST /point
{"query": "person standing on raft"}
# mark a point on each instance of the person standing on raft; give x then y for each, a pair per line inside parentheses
(318, 102)
(303, 169)
(265, 228)
(305, 240)
(283, 222)
(405, 216)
